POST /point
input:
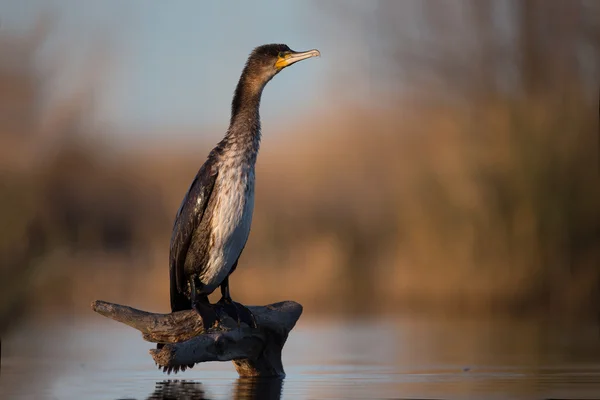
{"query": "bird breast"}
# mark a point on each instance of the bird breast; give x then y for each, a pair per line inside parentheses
(230, 222)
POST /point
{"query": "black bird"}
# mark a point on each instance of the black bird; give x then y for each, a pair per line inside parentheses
(213, 222)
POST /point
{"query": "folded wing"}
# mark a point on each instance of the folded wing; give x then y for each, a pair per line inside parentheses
(188, 220)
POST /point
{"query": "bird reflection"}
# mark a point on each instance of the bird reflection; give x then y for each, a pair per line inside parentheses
(243, 389)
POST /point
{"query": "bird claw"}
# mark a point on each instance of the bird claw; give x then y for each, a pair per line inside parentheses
(238, 312)
(207, 313)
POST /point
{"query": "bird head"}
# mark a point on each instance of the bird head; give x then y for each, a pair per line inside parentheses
(267, 60)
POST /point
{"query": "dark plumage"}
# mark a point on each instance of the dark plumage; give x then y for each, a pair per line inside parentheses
(213, 222)
(189, 222)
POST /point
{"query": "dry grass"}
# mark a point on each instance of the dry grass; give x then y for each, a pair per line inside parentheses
(394, 212)
(484, 207)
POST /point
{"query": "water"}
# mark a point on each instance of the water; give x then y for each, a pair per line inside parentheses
(391, 358)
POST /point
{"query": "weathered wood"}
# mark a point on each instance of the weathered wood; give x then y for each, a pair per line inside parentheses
(255, 352)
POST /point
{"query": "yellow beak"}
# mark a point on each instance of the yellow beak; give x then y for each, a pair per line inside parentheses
(293, 57)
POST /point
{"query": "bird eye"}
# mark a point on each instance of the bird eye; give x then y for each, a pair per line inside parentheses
(281, 54)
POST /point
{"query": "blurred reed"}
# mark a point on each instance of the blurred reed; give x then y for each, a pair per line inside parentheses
(474, 190)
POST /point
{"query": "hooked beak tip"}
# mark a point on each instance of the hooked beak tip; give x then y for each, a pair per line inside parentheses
(294, 57)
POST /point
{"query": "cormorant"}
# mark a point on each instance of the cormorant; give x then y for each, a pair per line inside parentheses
(213, 222)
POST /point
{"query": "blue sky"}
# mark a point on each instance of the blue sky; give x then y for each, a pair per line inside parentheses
(176, 63)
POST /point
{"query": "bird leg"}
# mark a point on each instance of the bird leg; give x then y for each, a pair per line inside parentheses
(201, 305)
(235, 310)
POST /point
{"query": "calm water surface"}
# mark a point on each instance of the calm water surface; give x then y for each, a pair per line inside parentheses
(392, 358)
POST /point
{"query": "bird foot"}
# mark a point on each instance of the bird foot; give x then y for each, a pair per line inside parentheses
(207, 313)
(237, 312)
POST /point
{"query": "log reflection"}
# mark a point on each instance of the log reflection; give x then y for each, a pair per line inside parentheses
(243, 389)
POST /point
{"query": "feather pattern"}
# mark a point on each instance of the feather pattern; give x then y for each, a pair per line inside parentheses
(213, 222)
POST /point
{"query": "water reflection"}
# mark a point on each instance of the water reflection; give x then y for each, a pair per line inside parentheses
(388, 358)
(257, 388)
(244, 389)
(178, 390)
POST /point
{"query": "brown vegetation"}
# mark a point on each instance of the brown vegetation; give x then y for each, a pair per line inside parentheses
(483, 199)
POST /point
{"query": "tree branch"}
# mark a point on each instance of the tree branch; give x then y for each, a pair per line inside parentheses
(254, 351)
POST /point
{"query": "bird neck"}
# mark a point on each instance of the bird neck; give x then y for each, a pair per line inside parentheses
(243, 135)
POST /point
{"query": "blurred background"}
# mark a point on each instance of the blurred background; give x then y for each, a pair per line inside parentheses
(441, 157)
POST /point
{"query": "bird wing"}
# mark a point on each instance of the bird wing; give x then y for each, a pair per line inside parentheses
(188, 219)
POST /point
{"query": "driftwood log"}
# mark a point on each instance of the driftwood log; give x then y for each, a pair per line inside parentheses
(255, 352)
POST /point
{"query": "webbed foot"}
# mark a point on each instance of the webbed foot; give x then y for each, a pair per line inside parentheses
(207, 313)
(237, 312)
